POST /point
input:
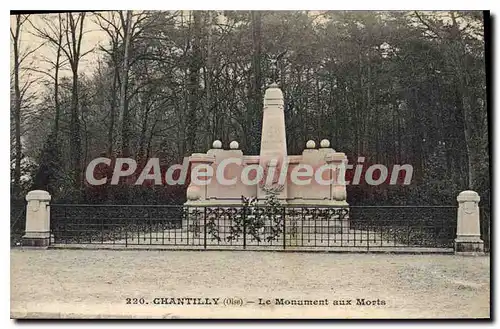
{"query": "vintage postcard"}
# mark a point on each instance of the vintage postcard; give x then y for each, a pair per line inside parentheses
(227, 164)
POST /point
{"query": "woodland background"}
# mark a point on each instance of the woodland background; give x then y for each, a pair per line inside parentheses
(394, 87)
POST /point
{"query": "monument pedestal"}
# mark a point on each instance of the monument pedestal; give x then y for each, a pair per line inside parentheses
(468, 240)
(37, 219)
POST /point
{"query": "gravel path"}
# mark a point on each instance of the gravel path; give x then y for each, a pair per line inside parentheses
(97, 283)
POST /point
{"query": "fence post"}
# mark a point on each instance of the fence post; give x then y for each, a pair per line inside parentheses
(468, 240)
(284, 228)
(205, 227)
(244, 228)
(37, 233)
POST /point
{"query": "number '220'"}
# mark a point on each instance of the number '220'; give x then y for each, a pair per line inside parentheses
(135, 301)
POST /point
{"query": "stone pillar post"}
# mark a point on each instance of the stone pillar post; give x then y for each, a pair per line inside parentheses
(37, 233)
(468, 240)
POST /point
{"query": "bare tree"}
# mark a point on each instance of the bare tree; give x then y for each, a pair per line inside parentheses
(122, 28)
(208, 81)
(124, 110)
(73, 51)
(66, 36)
(109, 23)
(52, 32)
(20, 92)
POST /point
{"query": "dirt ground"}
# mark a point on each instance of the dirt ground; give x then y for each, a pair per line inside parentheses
(97, 283)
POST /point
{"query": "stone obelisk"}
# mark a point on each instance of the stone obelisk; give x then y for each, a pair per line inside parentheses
(273, 151)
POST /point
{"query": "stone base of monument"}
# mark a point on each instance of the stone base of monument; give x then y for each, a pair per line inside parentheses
(35, 242)
(215, 229)
(183, 238)
(310, 225)
(36, 239)
(305, 220)
(469, 246)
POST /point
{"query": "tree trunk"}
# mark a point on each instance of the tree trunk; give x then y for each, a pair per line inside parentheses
(123, 89)
(75, 130)
(208, 82)
(194, 82)
(56, 82)
(253, 116)
(17, 110)
(112, 114)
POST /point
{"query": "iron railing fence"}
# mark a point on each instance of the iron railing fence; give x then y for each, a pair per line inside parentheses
(256, 227)
(425, 226)
(485, 216)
